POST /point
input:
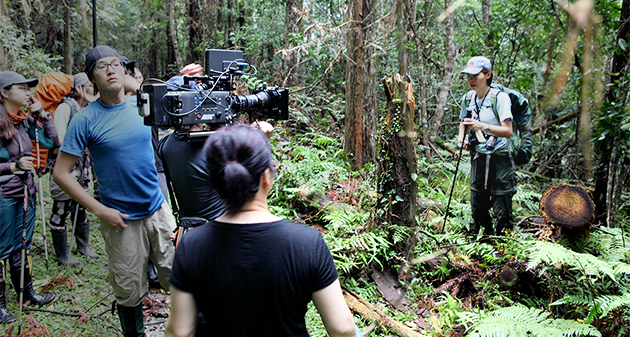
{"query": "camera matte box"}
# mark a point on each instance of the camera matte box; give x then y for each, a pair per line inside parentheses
(219, 59)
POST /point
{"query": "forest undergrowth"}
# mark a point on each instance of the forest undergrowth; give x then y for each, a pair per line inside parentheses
(536, 281)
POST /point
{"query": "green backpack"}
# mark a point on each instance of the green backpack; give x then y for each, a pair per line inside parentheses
(521, 140)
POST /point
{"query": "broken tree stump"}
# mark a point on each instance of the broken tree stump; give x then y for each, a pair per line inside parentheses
(567, 205)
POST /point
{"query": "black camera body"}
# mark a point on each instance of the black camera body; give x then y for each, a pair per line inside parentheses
(208, 99)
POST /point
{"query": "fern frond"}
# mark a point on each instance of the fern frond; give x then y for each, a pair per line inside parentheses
(552, 253)
(621, 268)
(574, 300)
(522, 321)
(608, 303)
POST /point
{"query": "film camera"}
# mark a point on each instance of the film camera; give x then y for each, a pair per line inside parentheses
(209, 99)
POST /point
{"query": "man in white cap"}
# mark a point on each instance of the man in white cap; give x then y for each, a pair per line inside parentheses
(136, 222)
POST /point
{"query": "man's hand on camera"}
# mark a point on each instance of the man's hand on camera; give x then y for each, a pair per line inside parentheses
(265, 127)
(192, 69)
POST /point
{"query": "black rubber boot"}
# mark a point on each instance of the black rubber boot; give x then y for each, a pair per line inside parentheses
(5, 315)
(15, 260)
(82, 233)
(60, 242)
(132, 321)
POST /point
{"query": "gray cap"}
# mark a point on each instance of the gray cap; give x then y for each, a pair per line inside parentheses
(8, 78)
(476, 64)
(96, 54)
(79, 80)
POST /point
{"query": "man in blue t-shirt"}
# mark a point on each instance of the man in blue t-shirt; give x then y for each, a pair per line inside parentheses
(136, 222)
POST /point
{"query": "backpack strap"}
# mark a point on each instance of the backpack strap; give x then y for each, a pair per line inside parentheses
(73, 107)
(467, 99)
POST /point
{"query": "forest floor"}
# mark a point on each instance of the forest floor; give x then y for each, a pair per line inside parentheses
(85, 297)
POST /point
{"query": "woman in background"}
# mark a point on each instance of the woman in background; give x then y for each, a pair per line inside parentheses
(249, 272)
(16, 174)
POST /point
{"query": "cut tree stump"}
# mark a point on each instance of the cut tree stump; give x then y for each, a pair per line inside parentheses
(567, 205)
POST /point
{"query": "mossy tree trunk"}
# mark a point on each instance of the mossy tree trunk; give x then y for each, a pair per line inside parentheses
(397, 186)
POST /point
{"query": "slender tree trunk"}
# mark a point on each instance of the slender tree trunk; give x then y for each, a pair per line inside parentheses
(408, 15)
(360, 117)
(486, 7)
(448, 74)
(290, 56)
(195, 32)
(67, 45)
(3, 59)
(619, 71)
(173, 34)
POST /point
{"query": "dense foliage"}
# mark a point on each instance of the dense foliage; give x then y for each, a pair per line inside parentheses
(569, 285)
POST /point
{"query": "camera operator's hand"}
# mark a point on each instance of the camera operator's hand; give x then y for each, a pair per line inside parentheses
(265, 127)
(112, 218)
(192, 69)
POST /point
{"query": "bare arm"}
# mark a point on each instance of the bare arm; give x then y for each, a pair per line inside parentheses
(182, 320)
(334, 311)
(61, 173)
(505, 130)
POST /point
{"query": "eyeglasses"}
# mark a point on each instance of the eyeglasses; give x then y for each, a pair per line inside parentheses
(88, 86)
(116, 65)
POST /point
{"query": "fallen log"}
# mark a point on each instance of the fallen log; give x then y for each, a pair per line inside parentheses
(371, 313)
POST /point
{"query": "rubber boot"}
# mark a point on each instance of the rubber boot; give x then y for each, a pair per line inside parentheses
(15, 260)
(82, 233)
(132, 321)
(60, 242)
(5, 315)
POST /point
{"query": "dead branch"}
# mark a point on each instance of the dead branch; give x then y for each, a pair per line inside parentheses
(560, 120)
(371, 313)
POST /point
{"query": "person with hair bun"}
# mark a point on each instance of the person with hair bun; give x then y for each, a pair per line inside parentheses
(249, 272)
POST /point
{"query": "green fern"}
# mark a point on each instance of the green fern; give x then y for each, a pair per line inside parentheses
(552, 253)
(522, 321)
(600, 307)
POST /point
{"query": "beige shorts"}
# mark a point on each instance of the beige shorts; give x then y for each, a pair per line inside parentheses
(129, 250)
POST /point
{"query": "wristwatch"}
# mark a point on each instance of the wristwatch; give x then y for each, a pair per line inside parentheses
(487, 129)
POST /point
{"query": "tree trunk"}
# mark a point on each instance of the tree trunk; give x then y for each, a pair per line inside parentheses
(486, 6)
(3, 59)
(173, 34)
(397, 168)
(619, 71)
(67, 45)
(360, 117)
(290, 57)
(407, 10)
(448, 74)
(195, 33)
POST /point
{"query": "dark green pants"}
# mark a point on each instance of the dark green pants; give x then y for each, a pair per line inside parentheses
(492, 185)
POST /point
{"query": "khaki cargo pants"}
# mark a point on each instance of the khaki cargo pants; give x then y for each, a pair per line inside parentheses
(129, 250)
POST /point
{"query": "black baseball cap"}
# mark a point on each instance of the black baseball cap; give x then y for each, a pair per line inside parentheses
(8, 78)
(96, 54)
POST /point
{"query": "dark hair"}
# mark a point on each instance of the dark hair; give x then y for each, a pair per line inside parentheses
(489, 80)
(237, 156)
(7, 127)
